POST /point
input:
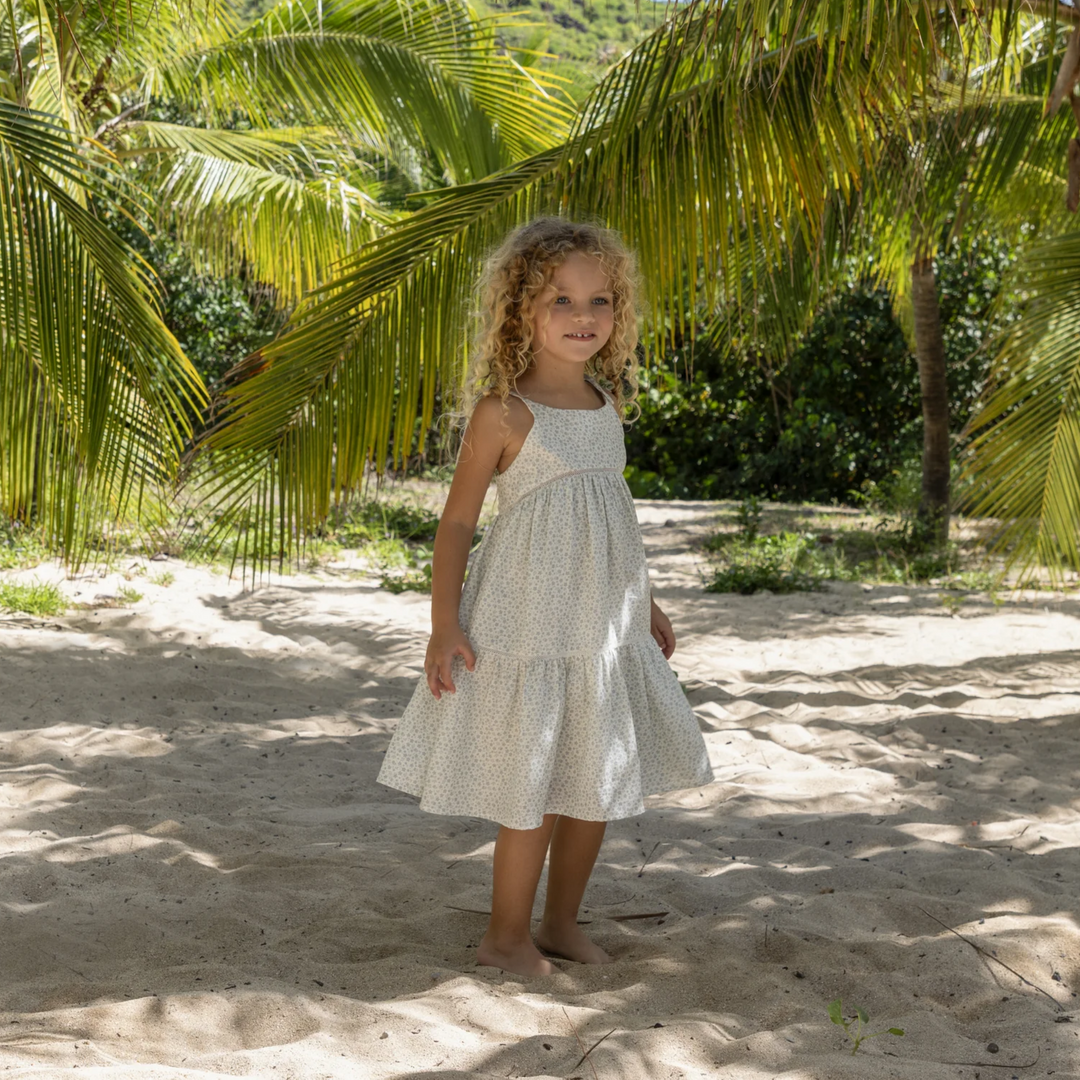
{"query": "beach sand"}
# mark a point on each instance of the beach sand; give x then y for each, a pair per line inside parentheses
(201, 877)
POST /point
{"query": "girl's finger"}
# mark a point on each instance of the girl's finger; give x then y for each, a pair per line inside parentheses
(444, 674)
(432, 681)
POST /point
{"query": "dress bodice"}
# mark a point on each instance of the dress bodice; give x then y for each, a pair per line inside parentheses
(563, 442)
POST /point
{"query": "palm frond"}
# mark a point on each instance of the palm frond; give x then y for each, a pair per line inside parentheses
(271, 204)
(420, 75)
(95, 393)
(1025, 462)
(696, 141)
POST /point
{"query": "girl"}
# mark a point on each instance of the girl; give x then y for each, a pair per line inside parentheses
(549, 706)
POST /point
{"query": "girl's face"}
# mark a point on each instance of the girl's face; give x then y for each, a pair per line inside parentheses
(573, 316)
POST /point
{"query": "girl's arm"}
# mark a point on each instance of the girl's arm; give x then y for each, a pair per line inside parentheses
(482, 445)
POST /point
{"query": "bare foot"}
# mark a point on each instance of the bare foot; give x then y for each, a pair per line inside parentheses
(571, 943)
(521, 959)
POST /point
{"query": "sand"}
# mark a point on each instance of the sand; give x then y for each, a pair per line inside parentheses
(201, 877)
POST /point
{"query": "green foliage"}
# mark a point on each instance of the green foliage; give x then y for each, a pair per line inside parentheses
(361, 523)
(893, 553)
(20, 546)
(164, 579)
(32, 598)
(854, 1027)
(841, 421)
(766, 562)
(748, 517)
(127, 595)
(583, 36)
(218, 321)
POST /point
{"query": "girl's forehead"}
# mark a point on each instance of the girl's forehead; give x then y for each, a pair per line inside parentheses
(580, 270)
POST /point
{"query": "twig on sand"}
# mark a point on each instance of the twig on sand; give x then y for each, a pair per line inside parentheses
(641, 915)
(647, 858)
(585, 1053)
(997, 1064)
(592, 1048)
(990, 956)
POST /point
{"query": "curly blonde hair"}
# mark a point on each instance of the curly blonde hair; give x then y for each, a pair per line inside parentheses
(515, 274)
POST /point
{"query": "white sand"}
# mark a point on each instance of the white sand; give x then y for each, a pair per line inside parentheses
(202, 878)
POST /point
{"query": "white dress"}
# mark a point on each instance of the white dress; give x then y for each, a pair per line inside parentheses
(572, 707)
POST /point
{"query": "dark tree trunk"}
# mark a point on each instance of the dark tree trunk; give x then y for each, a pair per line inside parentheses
(930, 351)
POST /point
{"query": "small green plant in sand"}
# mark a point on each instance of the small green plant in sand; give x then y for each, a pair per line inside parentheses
(414, 562)
(766, 562)
(127, 595)
(164, 579)
(855, 1028)
(950, 603)
(748, 517)
(32, 598)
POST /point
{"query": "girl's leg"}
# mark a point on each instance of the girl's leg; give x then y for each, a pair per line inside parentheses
(574, 847)
(519, 859)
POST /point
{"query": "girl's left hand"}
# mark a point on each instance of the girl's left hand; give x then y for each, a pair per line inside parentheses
(661, 631)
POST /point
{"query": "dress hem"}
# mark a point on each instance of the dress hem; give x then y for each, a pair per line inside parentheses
(478, 813)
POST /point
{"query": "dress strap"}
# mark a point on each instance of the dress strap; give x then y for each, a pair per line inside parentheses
(604, 393)
(528, 402)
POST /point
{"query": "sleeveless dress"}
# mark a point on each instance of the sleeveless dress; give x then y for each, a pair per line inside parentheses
(571, 707)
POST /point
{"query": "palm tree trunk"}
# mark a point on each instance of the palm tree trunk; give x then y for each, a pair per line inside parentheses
(930, 352)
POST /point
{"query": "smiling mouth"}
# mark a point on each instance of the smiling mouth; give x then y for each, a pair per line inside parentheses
(581, 337)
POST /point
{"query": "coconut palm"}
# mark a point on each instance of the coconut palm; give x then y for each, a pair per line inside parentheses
(732, 135)
(280, 148)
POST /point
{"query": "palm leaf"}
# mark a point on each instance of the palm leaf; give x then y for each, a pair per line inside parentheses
(95, 393)
(698, 138)
(422, 76)
(1026, 451)
(271, 204)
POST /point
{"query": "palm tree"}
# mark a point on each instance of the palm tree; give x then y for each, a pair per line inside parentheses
(723, 142)
(280, 147)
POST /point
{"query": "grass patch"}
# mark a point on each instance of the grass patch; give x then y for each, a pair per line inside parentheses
(32, 598)
(775, 563)
(357, 525)
(164, 579)
(127, 595)
(888, 553)
(20, 547)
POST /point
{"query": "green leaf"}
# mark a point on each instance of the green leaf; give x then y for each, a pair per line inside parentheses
(836, 1014)
(95, 392)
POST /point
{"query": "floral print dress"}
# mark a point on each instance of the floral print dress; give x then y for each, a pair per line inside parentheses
(572, 707)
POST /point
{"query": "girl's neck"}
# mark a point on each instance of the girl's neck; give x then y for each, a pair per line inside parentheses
(560, 385)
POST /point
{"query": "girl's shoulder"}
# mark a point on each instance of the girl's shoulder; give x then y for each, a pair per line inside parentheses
(491, 410)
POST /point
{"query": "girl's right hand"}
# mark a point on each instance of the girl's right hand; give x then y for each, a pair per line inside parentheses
(443, 646)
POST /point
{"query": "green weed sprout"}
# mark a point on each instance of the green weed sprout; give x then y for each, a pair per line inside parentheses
(855, 1028)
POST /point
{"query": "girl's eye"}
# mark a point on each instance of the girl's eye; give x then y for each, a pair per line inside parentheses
(601, 300)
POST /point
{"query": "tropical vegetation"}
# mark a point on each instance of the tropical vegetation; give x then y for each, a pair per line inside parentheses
(357, 159)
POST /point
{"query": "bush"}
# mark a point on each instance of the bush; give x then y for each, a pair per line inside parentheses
(840, 423)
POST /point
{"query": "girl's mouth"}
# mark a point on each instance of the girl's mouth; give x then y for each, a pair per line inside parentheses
(581, 337)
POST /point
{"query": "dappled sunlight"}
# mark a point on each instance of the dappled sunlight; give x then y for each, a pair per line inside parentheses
(202, 874)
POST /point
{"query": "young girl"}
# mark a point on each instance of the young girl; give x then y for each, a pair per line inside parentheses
(549, 706)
